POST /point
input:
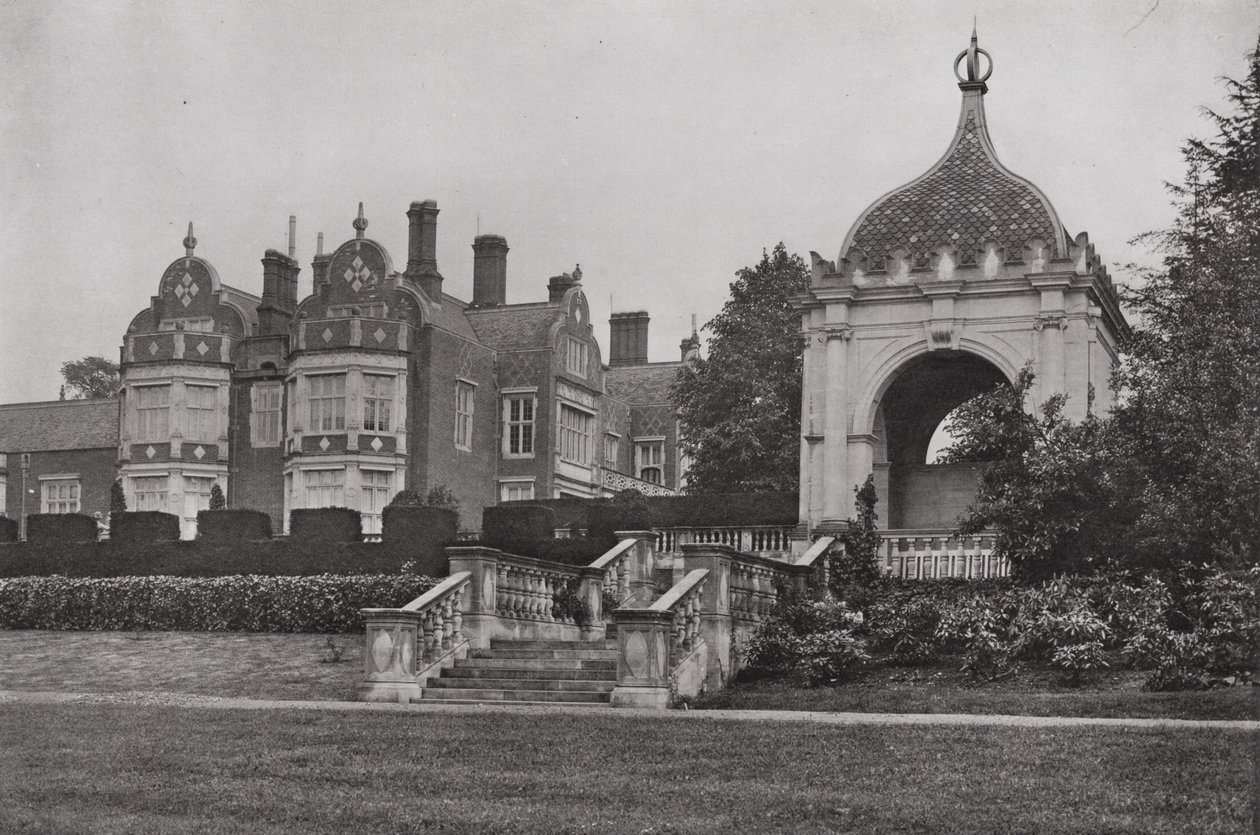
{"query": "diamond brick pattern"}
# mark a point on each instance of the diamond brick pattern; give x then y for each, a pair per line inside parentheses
(202, 348)
(324, 444)
(376, 445)
(150, 452)
(965, 202)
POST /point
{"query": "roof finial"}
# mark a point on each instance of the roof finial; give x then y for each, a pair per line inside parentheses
(190, 243)
(360, 223)
(972, 53)
(577, 274)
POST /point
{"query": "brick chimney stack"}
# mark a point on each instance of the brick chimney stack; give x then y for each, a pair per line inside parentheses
(628, 338)
(489, 270)
(422, 248)
(279, 298)
(319, 264)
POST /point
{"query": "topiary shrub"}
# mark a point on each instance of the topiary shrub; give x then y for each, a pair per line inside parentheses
(143, 526)
(8, 529)
(60, 527)
(217, 502)
(326, 524)
(419, 535)
(232, 525)
(511, 527)
(629, 510)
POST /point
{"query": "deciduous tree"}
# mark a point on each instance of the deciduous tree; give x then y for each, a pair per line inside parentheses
(90, 377)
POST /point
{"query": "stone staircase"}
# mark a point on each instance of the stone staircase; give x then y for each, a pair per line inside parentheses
(530, 672)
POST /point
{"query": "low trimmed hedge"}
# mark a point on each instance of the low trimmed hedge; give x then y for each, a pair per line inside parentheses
(233, 525)
(8, 529)
(573, 551)
(141, 526)
(196, 559)
(419, 534)
(708, 510)
(60, 527)
(326, 524)
(325, 603)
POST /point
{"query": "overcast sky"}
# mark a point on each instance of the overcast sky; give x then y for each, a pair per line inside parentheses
(662, 146)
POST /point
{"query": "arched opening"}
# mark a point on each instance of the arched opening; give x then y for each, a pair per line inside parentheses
(915, 490)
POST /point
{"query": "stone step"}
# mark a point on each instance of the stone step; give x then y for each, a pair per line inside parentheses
(465, 673)
(557, 654)
(567, 686)
(467, 694)
(538, 664)
(507, 643)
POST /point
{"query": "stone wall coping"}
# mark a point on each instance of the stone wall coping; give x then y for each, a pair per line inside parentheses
(613, 553)
(451, 584)
(816, 550)
(474, 551)
(681, 589)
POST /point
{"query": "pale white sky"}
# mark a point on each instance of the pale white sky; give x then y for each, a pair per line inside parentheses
(662, 145)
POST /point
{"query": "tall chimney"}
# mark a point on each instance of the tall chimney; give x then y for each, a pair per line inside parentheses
(489, 270)
(279, 298)
(422, 248)
(319, 264)
(628, 338)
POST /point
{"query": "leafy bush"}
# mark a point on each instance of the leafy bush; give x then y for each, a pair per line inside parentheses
(8, 529)
(816, 641)
(233, 525)
(143, 526)
(326, 524)
(975, 627)
(906, 632)
(60, 527)
(217, 502)
(629, 510)
(420, 534)
(567, 603)
(220, 604)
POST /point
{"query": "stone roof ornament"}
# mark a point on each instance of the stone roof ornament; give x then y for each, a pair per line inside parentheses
(360, 223)
(577, 274)
(972, 53)
(190, 243)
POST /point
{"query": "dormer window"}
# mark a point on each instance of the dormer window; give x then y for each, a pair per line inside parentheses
(576, 356)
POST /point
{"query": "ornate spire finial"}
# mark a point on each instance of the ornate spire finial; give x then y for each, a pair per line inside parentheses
(360, 223)
(190, 243)
(577, 274)
(972, 53)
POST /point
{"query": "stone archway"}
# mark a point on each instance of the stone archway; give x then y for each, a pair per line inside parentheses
(919, 396)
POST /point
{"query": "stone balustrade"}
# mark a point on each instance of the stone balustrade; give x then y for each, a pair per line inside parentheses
(765, 540)
(616, 568)
(526, 589)
(933, 554)
(406, 645)
(661, 647)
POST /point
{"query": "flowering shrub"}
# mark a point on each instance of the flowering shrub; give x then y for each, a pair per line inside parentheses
(243, 603)
(906, 632)
(976, 628)
(814, 640)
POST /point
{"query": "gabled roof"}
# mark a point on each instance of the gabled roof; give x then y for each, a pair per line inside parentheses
(517, 327)
(59, 424)
(642, 385)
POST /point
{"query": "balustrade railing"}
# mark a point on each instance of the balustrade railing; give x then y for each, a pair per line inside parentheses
(683, 600)
(526, 589)
(753, 589)
(615, 565)
(766, 540)
(933, 554)
(441, 618)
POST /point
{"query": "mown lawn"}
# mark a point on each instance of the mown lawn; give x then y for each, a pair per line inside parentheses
(115, 768)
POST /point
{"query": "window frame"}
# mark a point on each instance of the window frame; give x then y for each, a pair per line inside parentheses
(528, 427)
(508, 484)
(148, 415)
(202, 419)
(375, 403)
(332, 487)
(464, 419)
(324, 407)
(569, 436)
(654, 444)
(139, 496)
(262, 417)
(577, 356)
(374, 522)
(69, 503)
(613, 440)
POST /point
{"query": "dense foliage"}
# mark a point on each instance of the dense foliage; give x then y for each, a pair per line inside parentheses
(143, 526)
(90, 377)
(740, 407)
(326, 524)
(324, 603)
(60, 527)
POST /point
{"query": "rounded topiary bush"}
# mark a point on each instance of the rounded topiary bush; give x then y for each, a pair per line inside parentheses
(233, 525)
(143, 526)
(326, 524)
(60, 527)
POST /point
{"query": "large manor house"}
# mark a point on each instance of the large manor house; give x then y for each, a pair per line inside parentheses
(373, 380)
(367, 381)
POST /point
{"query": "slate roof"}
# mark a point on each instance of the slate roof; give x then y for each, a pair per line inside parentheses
(59, 424)
(968, 199)
(642, 385)
(515, 327)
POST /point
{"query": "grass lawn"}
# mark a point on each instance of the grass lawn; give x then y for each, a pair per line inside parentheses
(248, 665)
(115, 768)
(941, 689)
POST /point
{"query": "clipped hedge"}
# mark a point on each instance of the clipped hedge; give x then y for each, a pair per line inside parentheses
(420, 534)
(196, 559)
(143, 526)
(508, 526)
(203, 604)
(326, 524)
(572, 551)
(233, 525)
(8, 529)
(709, 510)
(60, 527)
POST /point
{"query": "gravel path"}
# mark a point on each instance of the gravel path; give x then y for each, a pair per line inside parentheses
(146, 699)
